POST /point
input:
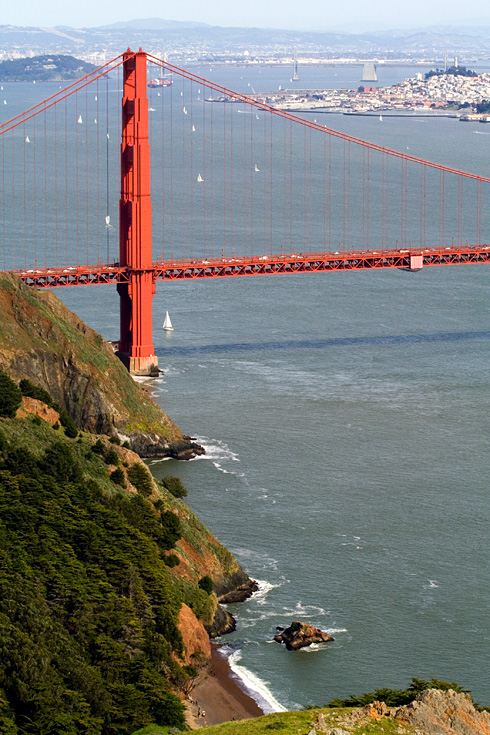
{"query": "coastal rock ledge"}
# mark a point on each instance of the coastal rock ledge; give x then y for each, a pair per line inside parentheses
(300, 635)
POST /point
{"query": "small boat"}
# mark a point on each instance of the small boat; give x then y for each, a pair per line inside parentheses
(167, 324)
(256, 169)
(27, 139)
(79, 121)
(193, 129)
(108, 221)
(184, 111)
(200, 179)
(381, 118)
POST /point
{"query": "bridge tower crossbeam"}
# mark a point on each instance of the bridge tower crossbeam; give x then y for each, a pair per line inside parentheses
(135, 236)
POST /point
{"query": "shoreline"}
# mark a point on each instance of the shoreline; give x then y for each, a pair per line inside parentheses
(217, 694)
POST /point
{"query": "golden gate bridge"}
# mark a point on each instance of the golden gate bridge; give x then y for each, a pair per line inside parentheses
(238, 188)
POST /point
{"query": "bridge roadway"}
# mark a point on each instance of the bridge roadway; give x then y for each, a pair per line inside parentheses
(227, 266)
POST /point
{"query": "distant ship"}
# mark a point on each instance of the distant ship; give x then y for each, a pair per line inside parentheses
(160, 83)
(167, 324)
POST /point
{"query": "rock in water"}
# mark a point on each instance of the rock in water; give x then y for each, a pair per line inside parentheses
(300, 635)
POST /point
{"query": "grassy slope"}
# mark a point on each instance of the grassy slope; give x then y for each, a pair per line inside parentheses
(42, 340)
(302, 721)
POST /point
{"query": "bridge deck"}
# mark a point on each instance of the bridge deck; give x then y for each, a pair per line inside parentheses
(228, 267)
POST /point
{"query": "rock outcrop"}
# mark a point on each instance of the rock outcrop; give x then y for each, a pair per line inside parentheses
(43, 341)
(433, 712)
(444, 713)
(300, 635)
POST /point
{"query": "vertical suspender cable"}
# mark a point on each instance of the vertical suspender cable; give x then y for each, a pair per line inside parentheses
(107, 136)
(55, 164)
(13, 200)
(45, 193)
(86, 169)
(24, 172)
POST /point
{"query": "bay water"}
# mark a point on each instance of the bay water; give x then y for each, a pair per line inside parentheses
(346, 423)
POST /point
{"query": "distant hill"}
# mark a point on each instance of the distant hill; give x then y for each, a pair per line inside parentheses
(153, 24)
(47, 68)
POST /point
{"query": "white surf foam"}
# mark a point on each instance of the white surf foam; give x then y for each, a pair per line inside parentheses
(254, 686)
(260, 595)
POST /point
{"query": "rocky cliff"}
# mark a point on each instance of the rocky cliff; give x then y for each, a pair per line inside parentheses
(41, 340)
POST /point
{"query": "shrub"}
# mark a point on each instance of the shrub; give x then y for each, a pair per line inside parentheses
(206, 584)
(174, 485)
(117, 477)
(56, 426)
(98, 447)
(10, 396)
(171, 560)
(71, 429)
(36, 420)
(115, 440)
(111, 457)
(21, 461)
(139, 476)
(172, 529)
(35, 391)
(59, 461)
(126, 445)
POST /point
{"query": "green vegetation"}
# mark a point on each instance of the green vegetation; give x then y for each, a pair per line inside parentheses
(206, 584)
(89, 642)
(174, 485)
(455, 71)
(44, 68)
(396, 697)
(140, 477)
(483, 107)
(10, 396)
(301, 722)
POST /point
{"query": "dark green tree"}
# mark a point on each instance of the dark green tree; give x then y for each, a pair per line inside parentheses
(174, 485)
(10, 396)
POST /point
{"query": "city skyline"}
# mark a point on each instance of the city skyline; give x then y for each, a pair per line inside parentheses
(309, 15)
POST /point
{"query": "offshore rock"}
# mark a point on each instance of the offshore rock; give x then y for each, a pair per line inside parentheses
(43, 341)
(300, 635)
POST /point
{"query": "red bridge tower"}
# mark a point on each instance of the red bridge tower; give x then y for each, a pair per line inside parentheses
(135, 247)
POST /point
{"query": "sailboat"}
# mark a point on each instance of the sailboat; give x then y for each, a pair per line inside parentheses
(27, 139)
(167, 324)
(193, 129)
(381, 118)
(79, 121)
(200, 179)
(256, 168)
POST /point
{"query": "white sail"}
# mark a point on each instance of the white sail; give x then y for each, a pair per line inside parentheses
(184, 111)
(108, 220)
(256, 168)
(167, 324)
(79, 121)
(381, 118)
(193, 129)
(27, 139)
(200, 179)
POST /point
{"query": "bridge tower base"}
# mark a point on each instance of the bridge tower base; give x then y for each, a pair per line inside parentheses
(135, 245)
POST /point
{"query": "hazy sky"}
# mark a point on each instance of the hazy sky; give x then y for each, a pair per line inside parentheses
(297, 14)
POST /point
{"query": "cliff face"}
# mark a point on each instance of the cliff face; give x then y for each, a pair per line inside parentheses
(41, 340)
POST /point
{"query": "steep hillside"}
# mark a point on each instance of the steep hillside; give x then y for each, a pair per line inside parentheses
(41, 340)
(106, 582)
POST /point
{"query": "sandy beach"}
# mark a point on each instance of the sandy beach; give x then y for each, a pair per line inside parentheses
(216, 696)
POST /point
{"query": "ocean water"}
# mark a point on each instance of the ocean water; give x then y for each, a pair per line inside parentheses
(346, 422)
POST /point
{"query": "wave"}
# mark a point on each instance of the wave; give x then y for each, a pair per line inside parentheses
(254, 686)
(260, 596)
